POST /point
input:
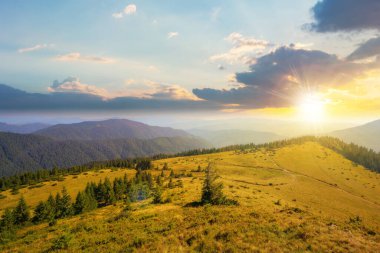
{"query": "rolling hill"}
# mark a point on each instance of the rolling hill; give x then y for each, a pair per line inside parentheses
(221, 138)
(108, 130)
(295, 198)
(367, 135)
(21, 153)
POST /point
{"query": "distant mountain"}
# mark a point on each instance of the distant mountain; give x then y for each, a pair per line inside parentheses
(367, 135)
(220, 138)
(21, 153)
(107, 130)
(22, 129)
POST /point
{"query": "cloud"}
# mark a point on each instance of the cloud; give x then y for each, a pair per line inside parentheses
(86, 58)
(345, 15)
(34, 48)
(117, 15)
(368, 49)
(73, 85)
(172, 35)
(128, 10)
(172, 92)
(244, 49)
(19, 101)
(155, 90)
(279, 78)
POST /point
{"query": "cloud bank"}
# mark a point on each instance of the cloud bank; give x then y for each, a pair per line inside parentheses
(277, 79)
(345, 15)
(84, 58)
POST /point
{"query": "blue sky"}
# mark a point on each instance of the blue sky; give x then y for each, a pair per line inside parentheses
(229, 55)
(138, 41)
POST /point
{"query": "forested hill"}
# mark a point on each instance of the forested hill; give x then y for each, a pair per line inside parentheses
(108, 129)
(21, 153)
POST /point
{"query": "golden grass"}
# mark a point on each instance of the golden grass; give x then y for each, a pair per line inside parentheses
(294, 199)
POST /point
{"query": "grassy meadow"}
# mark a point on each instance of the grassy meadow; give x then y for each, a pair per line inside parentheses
(299, 198)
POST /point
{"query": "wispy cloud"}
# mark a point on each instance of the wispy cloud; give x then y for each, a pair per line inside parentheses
(244, 49)
(172, 35)
(86, 58)
(128, 10)
(34, 48)
(117, 15)
(215, 12)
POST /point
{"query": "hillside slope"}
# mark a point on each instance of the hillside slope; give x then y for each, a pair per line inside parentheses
(107, 130)
(367, 135)
(298, 198)
(20, 153)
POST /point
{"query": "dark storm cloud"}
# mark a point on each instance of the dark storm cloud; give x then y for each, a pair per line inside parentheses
(345, 15)
(367, 49)
(276, 79)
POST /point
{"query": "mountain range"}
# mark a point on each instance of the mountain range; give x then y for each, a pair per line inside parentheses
(67, 145)
(367, 135)
(108, 130)
(22, 129)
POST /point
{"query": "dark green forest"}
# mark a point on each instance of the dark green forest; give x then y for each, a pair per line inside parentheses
(23, 153)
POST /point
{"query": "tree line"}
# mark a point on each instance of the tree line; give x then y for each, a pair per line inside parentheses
(43, 175)
(104, 193)
(360, 155)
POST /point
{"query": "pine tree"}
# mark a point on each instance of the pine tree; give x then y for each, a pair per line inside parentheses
(58, 200)
(51, 208)
(170, 184)
(118, 188)
(40, 212)
(159, 181)
(172, 173)
(109, 195)
(64, 205)
(212, 190)
(157, 195)
(7, 220)
(21, 212)
(90, 194)
(81, 204)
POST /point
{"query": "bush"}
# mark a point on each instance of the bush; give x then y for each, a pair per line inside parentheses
(62, 242)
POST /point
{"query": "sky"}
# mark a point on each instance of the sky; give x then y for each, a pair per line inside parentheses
(300, 59)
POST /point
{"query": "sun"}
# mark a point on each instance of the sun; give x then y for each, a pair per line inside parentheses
(312, 108)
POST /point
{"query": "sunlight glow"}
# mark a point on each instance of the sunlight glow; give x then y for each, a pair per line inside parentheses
(312, 108)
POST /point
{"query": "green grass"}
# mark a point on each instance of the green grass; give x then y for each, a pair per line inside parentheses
(300, 198)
